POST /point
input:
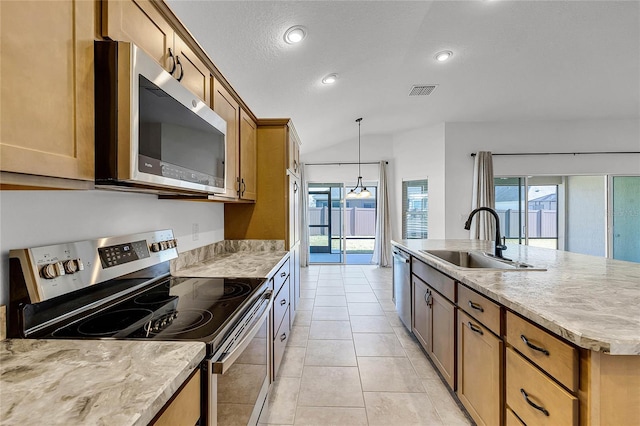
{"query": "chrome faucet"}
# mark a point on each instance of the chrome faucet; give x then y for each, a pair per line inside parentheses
(499, 247)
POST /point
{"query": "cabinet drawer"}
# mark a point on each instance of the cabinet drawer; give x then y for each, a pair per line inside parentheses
(280, 304)
(281, 276)
(280, 339)
(439, 281)
(512, 420)
(479, 307)
(527, 386)
(551, 354)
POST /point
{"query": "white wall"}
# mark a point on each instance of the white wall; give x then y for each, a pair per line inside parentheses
(419, 154)
(461, 139)
(415, 154)
(37, 218)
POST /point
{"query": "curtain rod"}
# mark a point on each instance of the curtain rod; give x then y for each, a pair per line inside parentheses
(343, 162)
(473, 154)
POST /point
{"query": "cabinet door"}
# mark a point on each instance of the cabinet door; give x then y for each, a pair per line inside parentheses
(479, 371)
(139, 22)
(47, 101)
(422, 300)
(191, 71)
(294, 210)
(293, 154)
(248, 158)
(227, 108)
(443, 336)
(294, 284)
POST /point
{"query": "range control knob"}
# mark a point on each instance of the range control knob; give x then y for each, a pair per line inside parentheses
(52, 270)
(155, 247)
(72, 266)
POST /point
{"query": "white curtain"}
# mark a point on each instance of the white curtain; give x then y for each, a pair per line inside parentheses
(382, 247)
(304, 219)
(483, 226)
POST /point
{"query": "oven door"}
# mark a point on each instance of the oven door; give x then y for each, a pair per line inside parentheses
(238, 375)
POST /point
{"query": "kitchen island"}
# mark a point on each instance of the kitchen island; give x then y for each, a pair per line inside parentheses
(105, 382)
(586, 305)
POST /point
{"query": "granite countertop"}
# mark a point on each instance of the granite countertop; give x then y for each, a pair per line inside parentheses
(91, 382)
(591, 301)
(232, 258)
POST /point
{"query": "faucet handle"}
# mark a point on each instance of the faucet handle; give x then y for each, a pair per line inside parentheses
(501, 246)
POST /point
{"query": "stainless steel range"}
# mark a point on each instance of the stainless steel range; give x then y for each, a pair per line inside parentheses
(120, 288)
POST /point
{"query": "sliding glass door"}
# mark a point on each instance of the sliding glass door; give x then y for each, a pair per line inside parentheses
(341, 230)
(595, 215)
(325, 223)
(528, 210)
(625, 217)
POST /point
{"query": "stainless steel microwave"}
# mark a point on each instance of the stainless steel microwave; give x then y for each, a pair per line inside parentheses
(152, 133)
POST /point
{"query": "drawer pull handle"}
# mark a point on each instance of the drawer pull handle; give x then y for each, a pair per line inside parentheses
(283, 274)
(475, 328)
(284, 337)
(475, 306)
(534, 405)
(532, 346)
(283, 302)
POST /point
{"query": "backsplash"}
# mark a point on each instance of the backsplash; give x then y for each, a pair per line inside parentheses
(211, 251)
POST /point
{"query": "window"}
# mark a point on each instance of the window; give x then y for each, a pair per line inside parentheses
(415, 202)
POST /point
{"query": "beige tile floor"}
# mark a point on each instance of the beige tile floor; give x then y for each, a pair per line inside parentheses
(350, 361)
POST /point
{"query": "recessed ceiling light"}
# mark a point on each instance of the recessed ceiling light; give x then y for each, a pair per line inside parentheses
(295, 34)
(443, 56)
(330, 79)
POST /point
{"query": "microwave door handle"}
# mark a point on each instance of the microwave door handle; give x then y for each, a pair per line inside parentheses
(222, 366)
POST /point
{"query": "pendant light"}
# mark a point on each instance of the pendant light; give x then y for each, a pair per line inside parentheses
(364, 193)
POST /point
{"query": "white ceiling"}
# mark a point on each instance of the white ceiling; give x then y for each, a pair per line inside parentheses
(513, 61)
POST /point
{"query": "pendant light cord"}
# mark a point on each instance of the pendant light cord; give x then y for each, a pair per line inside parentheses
(359, 182)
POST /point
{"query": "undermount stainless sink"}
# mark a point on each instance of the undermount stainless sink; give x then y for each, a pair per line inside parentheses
(479, 260)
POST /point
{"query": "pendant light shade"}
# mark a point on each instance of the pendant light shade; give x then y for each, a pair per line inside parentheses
(364, 192)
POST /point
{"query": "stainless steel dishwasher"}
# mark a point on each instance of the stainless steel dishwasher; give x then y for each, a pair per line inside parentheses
(402, 285)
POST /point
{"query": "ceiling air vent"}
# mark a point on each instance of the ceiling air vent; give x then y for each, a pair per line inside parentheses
(422, 89)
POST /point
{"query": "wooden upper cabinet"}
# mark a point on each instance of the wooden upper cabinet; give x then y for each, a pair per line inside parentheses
(139, 22)
(47, 93)
(248, 158)
(191, 71)
(293, 153)
(227, 108)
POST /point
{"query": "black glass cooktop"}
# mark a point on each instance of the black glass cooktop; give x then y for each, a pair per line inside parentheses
(173, 309)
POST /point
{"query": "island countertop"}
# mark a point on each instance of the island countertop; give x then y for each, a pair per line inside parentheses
(96, 382)
(593, 302)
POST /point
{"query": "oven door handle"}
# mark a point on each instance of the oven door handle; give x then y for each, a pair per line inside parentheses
(223, 364)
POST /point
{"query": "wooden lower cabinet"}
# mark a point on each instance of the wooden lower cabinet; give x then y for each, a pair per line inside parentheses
(536, 398)
(421, 323)
(479, 371)
(184, 408)
(434, 327)
(444, 337)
